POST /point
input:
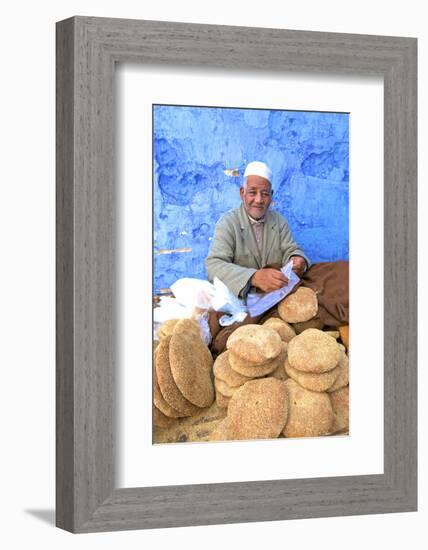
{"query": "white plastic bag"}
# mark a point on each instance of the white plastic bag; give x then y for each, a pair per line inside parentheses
(192, 300)
(193, 293)
(224, 300)
(202, 320)
(168, 308)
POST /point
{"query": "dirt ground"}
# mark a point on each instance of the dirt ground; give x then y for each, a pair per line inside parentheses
(195, 428)
(198, 428)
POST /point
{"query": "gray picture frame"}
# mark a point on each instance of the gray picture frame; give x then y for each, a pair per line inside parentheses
(87, 51)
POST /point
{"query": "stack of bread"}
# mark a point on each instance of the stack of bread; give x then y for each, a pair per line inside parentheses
(253, 351)
(309, 398)
(319, 375)
(315, 364)
(182, 374)
(312, 399)
(285, 378)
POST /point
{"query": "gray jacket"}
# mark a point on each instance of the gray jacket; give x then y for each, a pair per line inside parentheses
(233, 256)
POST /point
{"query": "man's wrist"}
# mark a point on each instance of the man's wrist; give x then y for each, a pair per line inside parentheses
(306, 267)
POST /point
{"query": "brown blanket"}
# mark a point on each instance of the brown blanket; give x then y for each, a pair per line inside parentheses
(330, 280)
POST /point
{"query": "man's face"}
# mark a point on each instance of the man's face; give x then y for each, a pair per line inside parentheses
(256, 196)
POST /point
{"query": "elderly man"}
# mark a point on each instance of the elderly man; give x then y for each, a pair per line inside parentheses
(251, 237)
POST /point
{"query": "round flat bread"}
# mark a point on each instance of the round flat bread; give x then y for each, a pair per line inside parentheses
(238, 363)
(255, 343)
(298, 307)
(167, 386)
(258, 410)
(343, 379)
(166, 328)
(310, 413)
(223, 388)
(285, 331)
(221, 400)
(160, 402)
(312, 323)
(223, 371)
(313, 351)
(186, 324)
(340, 404)
(191, 366)
(311, 380)
(249, 371)
(160, 420)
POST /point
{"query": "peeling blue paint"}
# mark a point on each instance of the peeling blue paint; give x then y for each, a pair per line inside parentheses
(308, 153)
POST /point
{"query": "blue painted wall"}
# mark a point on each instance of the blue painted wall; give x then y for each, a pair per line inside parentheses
(196, 148)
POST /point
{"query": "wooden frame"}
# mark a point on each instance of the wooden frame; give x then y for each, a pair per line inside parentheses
(87, 50)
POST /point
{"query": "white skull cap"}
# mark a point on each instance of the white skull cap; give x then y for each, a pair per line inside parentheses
(257, 168)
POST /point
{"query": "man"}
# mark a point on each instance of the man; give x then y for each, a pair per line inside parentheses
(251, 237)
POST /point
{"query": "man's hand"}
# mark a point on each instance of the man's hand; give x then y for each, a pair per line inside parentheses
(269, 279)
(299, 265)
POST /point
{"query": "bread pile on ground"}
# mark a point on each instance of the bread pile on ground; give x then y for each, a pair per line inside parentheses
(285, 378)
(309, 398)
(254, 351)
(182, 376)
